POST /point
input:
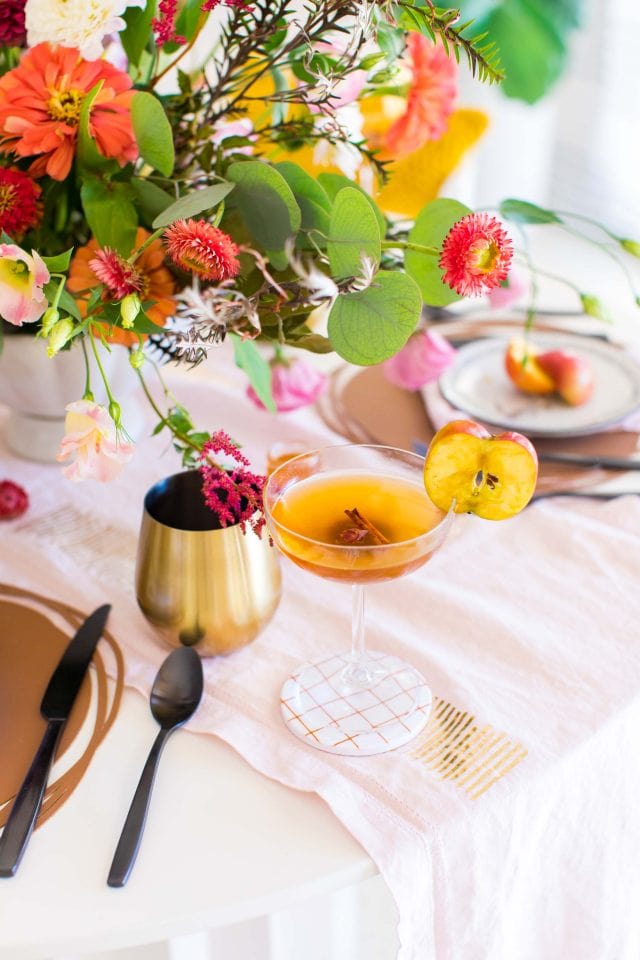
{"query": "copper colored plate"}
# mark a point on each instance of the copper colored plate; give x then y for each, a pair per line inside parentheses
(31, 644)
(363, 406)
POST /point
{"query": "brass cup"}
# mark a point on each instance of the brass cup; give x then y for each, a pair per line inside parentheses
(202, 585)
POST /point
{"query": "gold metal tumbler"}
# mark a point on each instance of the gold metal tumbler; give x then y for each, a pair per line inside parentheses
(204, 586)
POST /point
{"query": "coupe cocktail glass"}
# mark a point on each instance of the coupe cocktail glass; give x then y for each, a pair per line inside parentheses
(356, 513)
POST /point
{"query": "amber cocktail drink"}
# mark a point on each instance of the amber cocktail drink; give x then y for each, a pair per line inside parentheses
(356, 513)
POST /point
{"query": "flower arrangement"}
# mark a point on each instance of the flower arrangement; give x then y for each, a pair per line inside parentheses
(178, 172)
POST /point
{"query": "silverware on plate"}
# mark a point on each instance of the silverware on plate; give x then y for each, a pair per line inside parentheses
(56, 705)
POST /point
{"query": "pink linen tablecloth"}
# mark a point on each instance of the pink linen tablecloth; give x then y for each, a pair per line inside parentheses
(530, 626)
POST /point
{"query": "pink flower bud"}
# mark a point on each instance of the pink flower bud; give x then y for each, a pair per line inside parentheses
(13, 500)
(423, 358)
(293, 385)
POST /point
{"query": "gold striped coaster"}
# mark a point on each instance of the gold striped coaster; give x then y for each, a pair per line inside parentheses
(457, 748)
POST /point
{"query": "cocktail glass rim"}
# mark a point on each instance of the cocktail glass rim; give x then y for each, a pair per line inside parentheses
(444, 522)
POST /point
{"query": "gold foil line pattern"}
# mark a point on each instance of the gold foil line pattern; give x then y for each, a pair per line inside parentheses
(457, 748)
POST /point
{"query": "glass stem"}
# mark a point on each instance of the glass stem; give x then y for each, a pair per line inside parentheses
(357, 674)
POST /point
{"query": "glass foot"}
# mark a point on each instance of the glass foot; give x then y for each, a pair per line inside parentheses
(326, 706)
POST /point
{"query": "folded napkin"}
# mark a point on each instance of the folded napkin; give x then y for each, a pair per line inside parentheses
(527, 627)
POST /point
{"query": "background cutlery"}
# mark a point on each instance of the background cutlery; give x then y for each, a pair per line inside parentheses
(56, 706)
(175, 695)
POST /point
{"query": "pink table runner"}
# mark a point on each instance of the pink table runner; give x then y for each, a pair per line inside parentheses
(527, 628)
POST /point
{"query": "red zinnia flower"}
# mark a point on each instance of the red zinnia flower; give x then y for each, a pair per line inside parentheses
(40, 103)
(12, 29)
(476, 255)
(19, 202)
(198, 247)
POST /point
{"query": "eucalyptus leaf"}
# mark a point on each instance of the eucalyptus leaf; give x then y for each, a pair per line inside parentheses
(152, 132)
(371, 326)
(333, 183)
(431, 227)
(266, 203)
(248, 358)
(193, 204)
(353, 234)
(521, 211)
(150, 199)
(314, 203)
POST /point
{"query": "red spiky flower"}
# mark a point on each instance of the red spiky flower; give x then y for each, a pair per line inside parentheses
(19, 202)
(12, 28)
(199, 247)
(476, 255)
(118, 275)
(233, 493)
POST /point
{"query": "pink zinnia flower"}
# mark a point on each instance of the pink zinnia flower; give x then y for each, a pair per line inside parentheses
(118, 275)
(199, 247)
(431, 97)
(476, 255)
(40, 102)
(19, 202)
(91, 437)
(22, 278)
(293, 385)
(423, 358)
(12, 27)
(14, 500)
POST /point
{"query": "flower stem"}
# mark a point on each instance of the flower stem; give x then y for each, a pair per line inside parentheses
(88, 393)
(143, 246)
(409, 245)
(183, 52)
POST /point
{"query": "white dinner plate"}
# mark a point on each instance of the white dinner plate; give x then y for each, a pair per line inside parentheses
(478, 385)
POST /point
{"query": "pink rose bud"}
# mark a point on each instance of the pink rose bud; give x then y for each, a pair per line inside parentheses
(14, 500)
(293, 385)
(423, 358)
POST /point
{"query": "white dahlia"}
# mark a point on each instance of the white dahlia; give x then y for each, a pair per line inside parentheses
(75, 23)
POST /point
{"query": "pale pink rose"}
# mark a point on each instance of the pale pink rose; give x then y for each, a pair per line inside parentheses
(22, 277)
(423, 358)
(91, 436)
(293, 385)
(504, 296)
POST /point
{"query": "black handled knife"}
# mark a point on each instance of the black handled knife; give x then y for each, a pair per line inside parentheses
(56, 706)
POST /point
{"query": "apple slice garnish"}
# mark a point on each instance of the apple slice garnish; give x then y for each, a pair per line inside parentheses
(491, 476)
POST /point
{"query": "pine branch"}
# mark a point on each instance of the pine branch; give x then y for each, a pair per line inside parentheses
(482, 55)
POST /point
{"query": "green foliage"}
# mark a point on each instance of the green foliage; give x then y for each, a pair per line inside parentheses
(532, 38)
(353, 234)
(193, 204)
(266, 204)
(59, 263)
(152, 132)
(313, 200)
(249, 359)
(150, 200)
(431, 227)
(138, 30)
(89, 158)
(520, 211)
(370, 326)
(333, 183)
(110, 212)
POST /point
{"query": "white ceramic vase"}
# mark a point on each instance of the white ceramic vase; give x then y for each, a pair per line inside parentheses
(37, 388)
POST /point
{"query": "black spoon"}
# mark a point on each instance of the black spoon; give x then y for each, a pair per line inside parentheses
(175, 695)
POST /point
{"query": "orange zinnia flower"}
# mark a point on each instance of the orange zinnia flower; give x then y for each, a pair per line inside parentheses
(153, 282)
(40, 102)
(431, 97)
